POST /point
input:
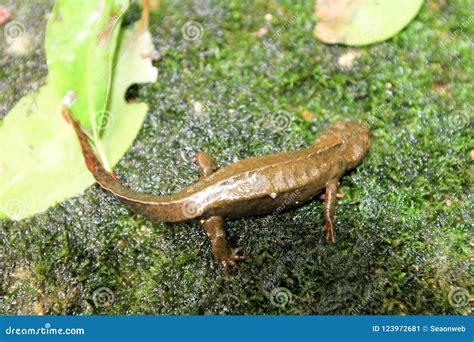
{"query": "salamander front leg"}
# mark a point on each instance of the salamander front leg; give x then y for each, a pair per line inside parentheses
(220, 248)
(322, 197)
(205, 163)
(330, 208)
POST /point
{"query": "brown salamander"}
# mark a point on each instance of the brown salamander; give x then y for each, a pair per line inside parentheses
(253, 186)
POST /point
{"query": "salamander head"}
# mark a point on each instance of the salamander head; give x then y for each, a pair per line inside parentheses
(356, 140)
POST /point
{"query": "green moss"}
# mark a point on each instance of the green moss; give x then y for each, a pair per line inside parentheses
(402, 227)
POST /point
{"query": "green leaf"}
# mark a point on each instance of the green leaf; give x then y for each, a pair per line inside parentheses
(41, 160)
(362, 22)
(80, 43)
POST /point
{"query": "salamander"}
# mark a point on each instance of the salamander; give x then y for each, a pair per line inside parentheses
(253, 186)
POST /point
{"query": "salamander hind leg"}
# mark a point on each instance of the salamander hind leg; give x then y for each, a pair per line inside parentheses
(220, 247)
(329, 209)
(205, 163)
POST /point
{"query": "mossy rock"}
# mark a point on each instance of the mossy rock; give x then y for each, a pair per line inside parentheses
(402, 227)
